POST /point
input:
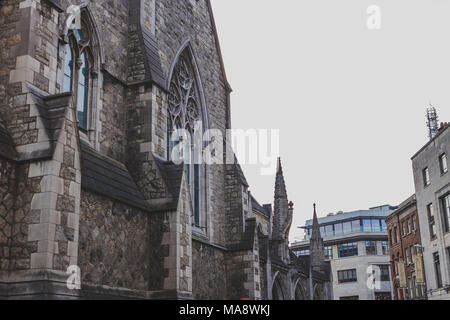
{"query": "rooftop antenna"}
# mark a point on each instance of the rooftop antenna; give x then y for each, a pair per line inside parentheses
(432, 121)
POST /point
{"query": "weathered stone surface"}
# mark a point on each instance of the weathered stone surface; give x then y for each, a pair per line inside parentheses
(113, 244)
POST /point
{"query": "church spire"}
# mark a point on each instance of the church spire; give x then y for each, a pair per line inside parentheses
(317, 256)
(282, 217)
(315, 234)
(280, 185)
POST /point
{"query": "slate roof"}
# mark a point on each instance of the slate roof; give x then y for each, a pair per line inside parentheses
(259, 208)
(7, 149)
(57, 4)
(172, 175)
(238, 169)
(103, 175)
(52, 112)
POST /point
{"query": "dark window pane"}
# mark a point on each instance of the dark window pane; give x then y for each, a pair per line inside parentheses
(83, 92)
(371, 247)
(197, 194)
(446, 209)
(68, 69)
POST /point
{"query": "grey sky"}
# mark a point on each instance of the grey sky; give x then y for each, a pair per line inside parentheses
(350, 102)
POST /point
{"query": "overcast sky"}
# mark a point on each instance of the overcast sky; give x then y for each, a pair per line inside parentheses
(349, 102)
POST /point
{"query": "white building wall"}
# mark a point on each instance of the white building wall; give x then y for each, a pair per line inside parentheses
(361, 263)
(428, 157)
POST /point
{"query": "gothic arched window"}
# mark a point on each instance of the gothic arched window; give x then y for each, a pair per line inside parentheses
(77, 72)
(185, 112)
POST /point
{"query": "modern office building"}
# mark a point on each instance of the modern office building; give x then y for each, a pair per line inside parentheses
(432, 183)
(405, 246)
(356, 244)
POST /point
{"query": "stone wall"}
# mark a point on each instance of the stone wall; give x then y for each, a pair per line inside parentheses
(112, 138)
(234, 208)
(113, 244)
(209, 272)
(22, 248)
(7, 199)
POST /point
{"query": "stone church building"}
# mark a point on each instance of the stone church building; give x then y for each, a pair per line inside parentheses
(88, 101)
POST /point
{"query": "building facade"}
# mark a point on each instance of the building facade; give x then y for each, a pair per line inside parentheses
(432, 184)
(356, 245)
(91, 93)
(405, 247)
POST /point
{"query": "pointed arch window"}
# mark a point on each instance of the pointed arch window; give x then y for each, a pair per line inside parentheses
(77, 72)
(185, 112)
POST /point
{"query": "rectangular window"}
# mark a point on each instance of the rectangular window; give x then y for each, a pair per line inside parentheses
(347, 227)
(437, 269)
(322, 232)
(391, 236)
(443, 163)
(329, 232)
(348, 249)
(376, 225)
(302, 253)
(385, 247)
(414, 219)
(408, 224)
(384, 273)
(371, 248)
(446, 209)
(426, 177)
(345, 276)
(356, 226)
(408, 261)
(404, 228)
(431, 221)
(328, 251)
(367, 225)
(395, 235)
(383, 225)
(338, 229)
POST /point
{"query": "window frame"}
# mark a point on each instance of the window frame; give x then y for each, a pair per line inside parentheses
(437, 270)
(426, 177)
(443, 165)
(445, 203)
(185, 60)
(431, 221)
(348, 249)
(90, 45)
(372, 245)
(347, 276)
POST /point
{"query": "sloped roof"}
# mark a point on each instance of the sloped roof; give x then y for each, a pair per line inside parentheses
(172, 175)
(239, 171)
(259, 208)
(52, 112)
(103, 175)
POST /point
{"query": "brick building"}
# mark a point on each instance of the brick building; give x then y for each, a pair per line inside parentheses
(405, 247)
(89, 97)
